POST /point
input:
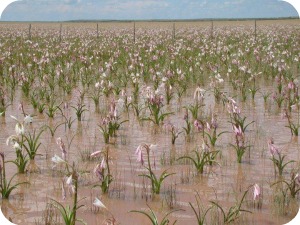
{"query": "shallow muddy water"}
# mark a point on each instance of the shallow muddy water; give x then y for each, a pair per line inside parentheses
(224, 182)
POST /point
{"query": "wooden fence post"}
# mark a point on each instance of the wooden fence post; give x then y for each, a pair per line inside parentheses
(29, 32)
(97, 30)
(212, 29)
(174, 31)
(134, 32)
(60, 31)
(255, 29)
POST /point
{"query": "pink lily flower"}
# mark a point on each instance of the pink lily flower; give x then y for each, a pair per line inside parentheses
(238, 131)
(273, 148)
(96, 154)
(256, 192)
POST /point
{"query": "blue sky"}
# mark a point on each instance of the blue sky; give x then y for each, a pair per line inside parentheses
(61, 10)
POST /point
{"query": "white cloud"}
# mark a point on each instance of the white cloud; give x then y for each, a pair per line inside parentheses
(234, 2)
(134, 5)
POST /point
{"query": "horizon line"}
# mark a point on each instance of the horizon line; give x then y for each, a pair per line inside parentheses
(151, 20)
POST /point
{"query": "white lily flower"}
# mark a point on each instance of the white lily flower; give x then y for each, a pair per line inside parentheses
(14, 118)
(164, 79)
(8, 140)
(11, 139)
(98, 203)
(120, 103)
(293, 107)
(16, 146)
(153, 147)
(199, 94)
(69, 180)
(19, 126)
(57, 159)
(97, 85)
(28, 119)
(20, 130)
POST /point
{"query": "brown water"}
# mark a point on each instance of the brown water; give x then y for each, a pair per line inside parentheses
(128, 191)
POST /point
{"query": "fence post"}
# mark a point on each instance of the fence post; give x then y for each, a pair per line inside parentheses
(134, 32)
(60, 30)
(97, 30)
(212, 29)
(174, 31)
(255, 29)
(29, 32)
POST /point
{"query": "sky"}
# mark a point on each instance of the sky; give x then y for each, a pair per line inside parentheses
(62, 10)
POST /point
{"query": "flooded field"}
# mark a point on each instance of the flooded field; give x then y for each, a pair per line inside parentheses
(198, 121)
